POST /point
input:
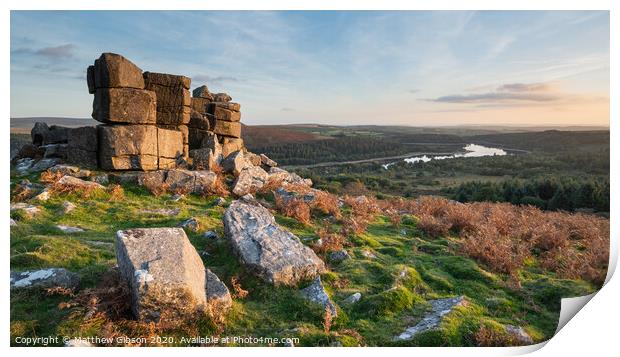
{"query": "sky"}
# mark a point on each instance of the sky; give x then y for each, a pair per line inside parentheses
(415, 68)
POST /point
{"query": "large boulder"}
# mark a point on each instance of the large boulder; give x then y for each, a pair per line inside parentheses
(45, 278)
(230, 145)
(128, 147)
(173, 97)
(166, 80)
(227, 128)
(82, 146)
(271, 252)
(250, 180)
(221, 113)
(114, 71)
(164, 272)
(202, 92)
(124, 105)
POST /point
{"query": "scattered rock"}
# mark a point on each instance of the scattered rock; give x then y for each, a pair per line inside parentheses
(368, 254)
(519, 334)
(250, 180)
(13, 223)
(235, 162)
(101, 179)
(67, 207)
(29, 210)
(273, 253)
(352, 299)
(440, 308)
(316, 293)
(219, 300)
(69, 229)
(211, 235)
(265, 160)
(125, 177)
(43, 196)
(338, 256)
(29, 151)
(176, 197)
(278, 174)
(189, 181)
(163, 211)
(191, 224)
(24, 165)
(68, 170)
(45, 278)
(165, 274)
(285, 195)
(44, 164)
(253, 158)
(220, 201)
(79, 184)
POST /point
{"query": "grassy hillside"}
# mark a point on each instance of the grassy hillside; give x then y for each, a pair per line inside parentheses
(398, 263)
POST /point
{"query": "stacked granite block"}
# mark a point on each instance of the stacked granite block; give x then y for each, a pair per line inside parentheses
(173, 103)
(130, 138)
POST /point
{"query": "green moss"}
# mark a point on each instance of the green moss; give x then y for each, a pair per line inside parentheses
(390, 301)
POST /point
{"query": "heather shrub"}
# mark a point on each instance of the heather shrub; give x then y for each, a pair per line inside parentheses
(295, 208)
(502, 236)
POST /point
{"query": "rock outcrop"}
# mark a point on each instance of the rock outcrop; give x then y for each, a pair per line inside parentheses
(149, 120)
(273, 253)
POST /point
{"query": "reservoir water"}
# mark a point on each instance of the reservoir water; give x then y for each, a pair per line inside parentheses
(471, 150)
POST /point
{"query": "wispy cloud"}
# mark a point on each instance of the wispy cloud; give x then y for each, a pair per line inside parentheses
(205, 78)
(519, 94)
(56, 52)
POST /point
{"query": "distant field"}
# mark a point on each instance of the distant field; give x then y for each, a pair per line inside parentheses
(23, 125)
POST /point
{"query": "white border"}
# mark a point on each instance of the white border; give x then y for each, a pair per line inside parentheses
(594, 330)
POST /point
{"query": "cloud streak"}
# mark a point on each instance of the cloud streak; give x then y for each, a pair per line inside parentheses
(510, 93)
